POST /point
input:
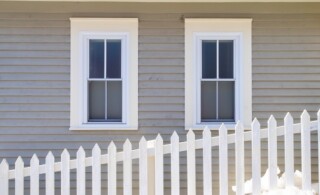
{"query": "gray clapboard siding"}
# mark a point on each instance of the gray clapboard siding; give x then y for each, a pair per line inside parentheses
(35, 68)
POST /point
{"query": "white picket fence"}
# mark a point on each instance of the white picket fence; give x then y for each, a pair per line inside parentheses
(150, 155)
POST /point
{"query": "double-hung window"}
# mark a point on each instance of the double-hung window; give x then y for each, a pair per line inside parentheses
(217, 72)
(105, 84)
(104, 74)
(217, 80)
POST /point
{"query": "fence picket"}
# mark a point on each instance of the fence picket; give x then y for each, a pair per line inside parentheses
(305, 151)
(223, 160)
(191, 163)
(207, 155)
(127, 168)
(175, 164)
(65, 172)
(151, 162)
(96, 170)
(19, 178)
(272, 153)
(81, 171)
(159, 165)
(239, 149)
(112, 169)
(256, 157)
(50, 174)
(289, 148)
(318, 125)
(34, 175)
(4, 177)
(143, 164)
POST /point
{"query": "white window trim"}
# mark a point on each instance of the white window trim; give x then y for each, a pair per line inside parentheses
(125, 29)
(235, 29)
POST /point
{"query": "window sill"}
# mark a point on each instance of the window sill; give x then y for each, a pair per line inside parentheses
(103, 127)
(211, 126)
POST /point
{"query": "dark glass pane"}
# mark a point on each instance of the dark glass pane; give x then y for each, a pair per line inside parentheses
(226, 59)
(226, 100)
(96, 101)
(114, 100)
(114, 59)
(209, 59)
(96, 58)
(208, 101)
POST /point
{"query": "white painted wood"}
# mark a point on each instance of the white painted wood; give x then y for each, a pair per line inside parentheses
(223, 160)
(81, 171)
(112, 169)
(289, 150)
(159, 165)
(272, 152)
(239, 153)
(207, 164)
(96, 170)
(318, 121)
(143, 164)
(125, 29)
(305, 151)
(65, 172)
(4, 177)
(49, 174)
(191, 163)
(34, 175)
(127, 168)
(19, 178)
(175, 164)
(256, 157)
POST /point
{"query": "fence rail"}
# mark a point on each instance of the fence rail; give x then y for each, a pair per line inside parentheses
(150, 155)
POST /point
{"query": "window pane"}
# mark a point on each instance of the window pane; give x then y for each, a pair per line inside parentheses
(114, 100)
(114, 59)
(96, 58)
(226, 59)
(209, 59)
(96, 101)
(208, 101)
(226, 100)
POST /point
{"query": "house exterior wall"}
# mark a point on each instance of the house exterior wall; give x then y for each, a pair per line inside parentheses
(35, 71)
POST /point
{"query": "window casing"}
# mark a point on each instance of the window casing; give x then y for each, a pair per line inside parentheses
(217, 64)
(103, 72)
(217, 72)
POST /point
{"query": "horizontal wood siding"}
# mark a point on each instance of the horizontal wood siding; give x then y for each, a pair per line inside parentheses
(35, 75)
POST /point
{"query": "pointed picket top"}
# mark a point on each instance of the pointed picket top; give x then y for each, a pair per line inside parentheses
(239, 127)
(318, 113)
(80, 150)
(127, 144)
(4, 165)
(223, 127)
(19, 162)
(112, 146)
(272, 121)
(288, 118)
(159, 139)
(65, 154)
(206, 132)
(190, 134)
(34, 160)
(255, 124)
(49, 157)
(142, 141)
(174, 136)
(96, 149)
(4, 177)
(305, 116)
